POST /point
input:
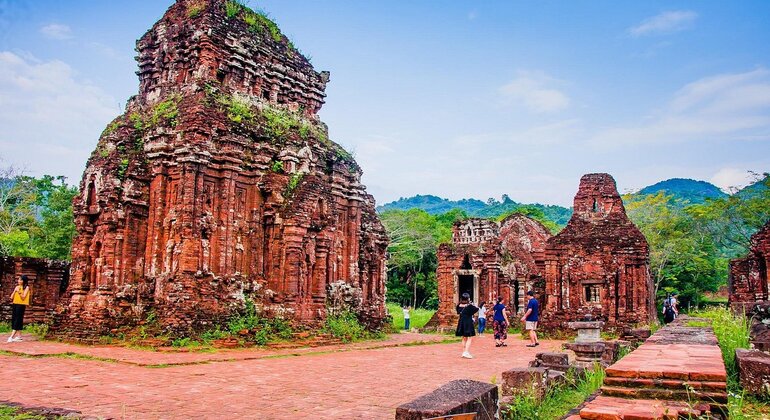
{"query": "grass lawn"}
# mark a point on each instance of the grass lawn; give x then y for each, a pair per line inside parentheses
(419, 317)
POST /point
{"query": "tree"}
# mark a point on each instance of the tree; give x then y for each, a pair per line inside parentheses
(35, 215)
(682, 257)
(17, 212)
(413, 243)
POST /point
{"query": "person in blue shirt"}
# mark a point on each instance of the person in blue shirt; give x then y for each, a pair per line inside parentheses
(500, 323)
(530, 319)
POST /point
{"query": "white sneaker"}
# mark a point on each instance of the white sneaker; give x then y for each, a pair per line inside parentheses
(10, 340)
(17, 339)
(467, 355)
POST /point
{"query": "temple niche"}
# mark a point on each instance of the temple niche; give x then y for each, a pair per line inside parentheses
(487, 259)
(748, 279)
(219, 184)
(598, 266)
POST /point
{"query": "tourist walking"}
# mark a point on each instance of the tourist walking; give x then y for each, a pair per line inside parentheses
(406, 317)
(500, 323)
(465, 327)
(669, 309)
(530, 318)
(482, 317)
(19, 301)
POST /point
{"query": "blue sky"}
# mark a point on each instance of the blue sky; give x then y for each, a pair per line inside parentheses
(452, 98)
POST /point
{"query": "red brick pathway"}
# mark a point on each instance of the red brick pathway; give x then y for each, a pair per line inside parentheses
(676, 371)
(365, 383)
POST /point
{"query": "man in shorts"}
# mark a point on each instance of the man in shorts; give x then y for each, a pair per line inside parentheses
(531, 317)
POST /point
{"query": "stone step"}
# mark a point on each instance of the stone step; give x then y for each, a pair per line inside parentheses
(611, 408)
(666, 394)
(666, 383)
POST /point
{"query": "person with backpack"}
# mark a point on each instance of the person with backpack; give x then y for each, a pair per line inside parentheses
(669, 309)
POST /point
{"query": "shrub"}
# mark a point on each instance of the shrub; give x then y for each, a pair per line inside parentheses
(237, 109)
(559, 400)
(195, 9)
(232, 8)
(166, 111)
(277, 167)
(345, 326)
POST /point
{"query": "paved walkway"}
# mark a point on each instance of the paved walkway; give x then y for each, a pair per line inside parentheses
(677, 371)
(366, 380)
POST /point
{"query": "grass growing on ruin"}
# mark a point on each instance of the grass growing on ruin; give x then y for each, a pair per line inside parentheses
(418, 317)
(559, 400)
(13, 413)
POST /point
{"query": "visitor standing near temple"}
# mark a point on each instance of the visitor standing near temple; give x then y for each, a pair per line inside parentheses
(406, 317)
(530, 318)
(482, 317)
(465, 327)
(500, 323)
(20, 300)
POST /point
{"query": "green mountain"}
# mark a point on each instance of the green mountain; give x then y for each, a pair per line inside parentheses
(755, 189)
(477, 208)
(685, 190)
(433, 204)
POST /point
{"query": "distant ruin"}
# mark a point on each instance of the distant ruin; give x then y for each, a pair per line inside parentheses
(749, 275)
(597, 267)
(48, 280)
(487, 259)
(219, 184)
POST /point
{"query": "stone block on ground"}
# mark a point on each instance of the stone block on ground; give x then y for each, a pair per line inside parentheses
(523, 380)
(456, 397)
(754, 370)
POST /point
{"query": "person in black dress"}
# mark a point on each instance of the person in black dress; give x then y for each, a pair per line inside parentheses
(465, 327)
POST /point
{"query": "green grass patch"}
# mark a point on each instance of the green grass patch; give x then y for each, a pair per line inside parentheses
(417, 317)
(558, 401)
(14, 413)
(194, 10)
(5, 327)
(166, 111)
(346, 327)
(733, 331)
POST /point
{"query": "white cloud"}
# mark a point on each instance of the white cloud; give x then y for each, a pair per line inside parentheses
(56, 31)
(722, 107)
(535, 92)
(732, 179)
(50, 120)
(666, 22)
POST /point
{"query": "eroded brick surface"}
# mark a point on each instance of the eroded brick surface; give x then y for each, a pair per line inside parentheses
(598, 265)
(749, 275)
(219, 183)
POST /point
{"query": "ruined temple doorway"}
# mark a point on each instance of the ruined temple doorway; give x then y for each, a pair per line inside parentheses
(465, 284)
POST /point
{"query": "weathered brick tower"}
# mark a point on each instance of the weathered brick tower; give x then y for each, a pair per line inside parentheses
(218, 184)
(487, 259)
(598, 265)
(749, 276)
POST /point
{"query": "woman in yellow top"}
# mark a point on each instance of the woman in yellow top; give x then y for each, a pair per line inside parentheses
(20, 297)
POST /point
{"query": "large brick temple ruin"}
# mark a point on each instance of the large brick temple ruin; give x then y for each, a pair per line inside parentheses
(598, 265)
(487, 259)
(749, 275)
(219, 184)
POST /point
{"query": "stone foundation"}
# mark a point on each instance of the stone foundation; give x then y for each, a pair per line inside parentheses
(456, 397)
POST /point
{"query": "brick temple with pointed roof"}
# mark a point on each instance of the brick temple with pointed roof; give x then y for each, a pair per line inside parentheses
(219, 184)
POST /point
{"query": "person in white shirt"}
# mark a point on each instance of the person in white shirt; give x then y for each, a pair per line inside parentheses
(482, 317)
(406, 317)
